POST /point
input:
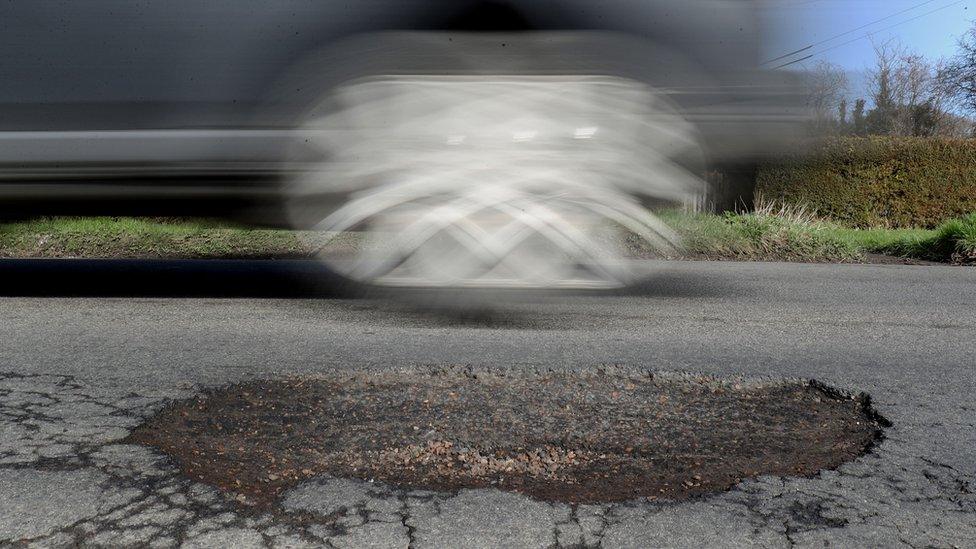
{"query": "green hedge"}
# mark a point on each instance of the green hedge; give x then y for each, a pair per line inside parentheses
(877, 181)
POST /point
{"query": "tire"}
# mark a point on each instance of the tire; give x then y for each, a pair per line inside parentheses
(494, 177)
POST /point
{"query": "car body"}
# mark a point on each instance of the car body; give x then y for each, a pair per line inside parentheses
(188, 107)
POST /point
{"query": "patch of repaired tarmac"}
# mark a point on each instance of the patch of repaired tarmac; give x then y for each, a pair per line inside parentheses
(572, 438)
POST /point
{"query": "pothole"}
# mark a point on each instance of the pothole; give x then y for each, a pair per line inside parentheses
(581, 438)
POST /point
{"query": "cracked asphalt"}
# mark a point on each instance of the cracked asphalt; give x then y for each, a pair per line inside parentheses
(78, 374)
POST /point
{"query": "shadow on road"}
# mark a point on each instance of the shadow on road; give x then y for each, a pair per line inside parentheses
(171, 278)
(293, 278)
(684, 285)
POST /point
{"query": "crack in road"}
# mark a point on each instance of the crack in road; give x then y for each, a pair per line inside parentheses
(59, 443)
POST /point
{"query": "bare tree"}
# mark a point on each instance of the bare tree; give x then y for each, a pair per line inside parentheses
(914, 73)
(827, 87)
(917, 112)
(909, 93)
(944, 103)
(959, 73)
(886, 87)
(857, 118)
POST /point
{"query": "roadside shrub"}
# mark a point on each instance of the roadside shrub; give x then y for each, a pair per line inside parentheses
(780, 237)
(771, 233)
(955, 240)
(877, 181)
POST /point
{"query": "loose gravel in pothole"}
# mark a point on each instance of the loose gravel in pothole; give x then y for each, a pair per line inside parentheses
(558, 437)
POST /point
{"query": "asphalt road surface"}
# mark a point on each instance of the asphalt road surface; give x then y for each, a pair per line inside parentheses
(77, 374)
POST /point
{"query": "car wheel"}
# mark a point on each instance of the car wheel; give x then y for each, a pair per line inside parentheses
(495, 180)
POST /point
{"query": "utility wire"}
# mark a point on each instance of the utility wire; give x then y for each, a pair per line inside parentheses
(791, 54)
(793, 62)
(851, 31)
(869, 34)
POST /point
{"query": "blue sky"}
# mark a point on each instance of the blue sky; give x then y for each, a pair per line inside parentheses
(793, 24)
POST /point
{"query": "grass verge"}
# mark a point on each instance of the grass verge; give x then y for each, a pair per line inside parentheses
(145, 237)
(791, 234)
(772, 233)
(761, 237)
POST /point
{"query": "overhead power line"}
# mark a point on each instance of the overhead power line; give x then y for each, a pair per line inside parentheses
(868, 34)
(793, 62)
(791, 54)
(889, 27)
(851, 31)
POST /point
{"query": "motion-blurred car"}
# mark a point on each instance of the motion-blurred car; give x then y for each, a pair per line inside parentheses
(474, 143)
